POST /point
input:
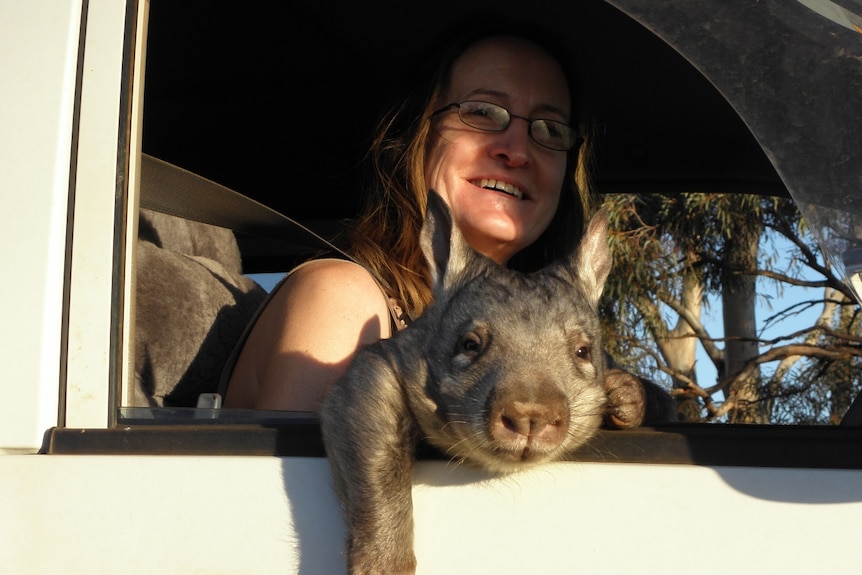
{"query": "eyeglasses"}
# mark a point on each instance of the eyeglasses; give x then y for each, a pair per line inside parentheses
(493, 118)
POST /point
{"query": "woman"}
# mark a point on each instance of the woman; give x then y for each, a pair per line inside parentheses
(493, 131)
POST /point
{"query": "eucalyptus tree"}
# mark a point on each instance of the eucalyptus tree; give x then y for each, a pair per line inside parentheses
(677, 254)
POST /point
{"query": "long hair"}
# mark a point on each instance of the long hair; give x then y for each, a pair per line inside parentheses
(385, 235)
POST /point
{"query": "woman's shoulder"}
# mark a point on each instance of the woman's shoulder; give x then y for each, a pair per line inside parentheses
(348, 289)
(328, 272)
(324, 299)
(332, 286)
(314, 321)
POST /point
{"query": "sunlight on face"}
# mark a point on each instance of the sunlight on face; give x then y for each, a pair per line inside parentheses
(503, 188)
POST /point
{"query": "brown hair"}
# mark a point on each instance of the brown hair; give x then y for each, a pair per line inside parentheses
(385, 236)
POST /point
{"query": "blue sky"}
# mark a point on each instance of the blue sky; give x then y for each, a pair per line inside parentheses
(771, 299)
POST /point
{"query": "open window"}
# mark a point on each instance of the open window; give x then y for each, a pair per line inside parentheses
(691, 104)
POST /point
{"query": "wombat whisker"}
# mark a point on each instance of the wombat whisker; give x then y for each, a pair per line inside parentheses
(453, 422)
(455, 462)
(455, 449)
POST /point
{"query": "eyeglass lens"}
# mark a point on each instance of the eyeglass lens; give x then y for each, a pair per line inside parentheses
(494, 118)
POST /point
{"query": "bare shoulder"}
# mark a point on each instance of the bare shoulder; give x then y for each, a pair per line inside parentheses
(307, 334)
(333, 273)
(336, 289)
(328, 293)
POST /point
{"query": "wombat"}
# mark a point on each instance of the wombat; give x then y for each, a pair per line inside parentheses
(503, 370)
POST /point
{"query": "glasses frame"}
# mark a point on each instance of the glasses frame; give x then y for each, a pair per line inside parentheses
(577, 140)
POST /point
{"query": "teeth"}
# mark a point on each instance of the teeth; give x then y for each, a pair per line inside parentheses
(502, 187)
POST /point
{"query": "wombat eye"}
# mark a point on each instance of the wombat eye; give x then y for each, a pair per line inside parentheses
(583, 352)
(470, 344)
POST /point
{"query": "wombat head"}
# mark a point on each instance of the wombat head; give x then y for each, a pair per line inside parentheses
(514, 361)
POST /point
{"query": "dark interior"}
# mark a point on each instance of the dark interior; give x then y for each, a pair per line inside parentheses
(277, 100)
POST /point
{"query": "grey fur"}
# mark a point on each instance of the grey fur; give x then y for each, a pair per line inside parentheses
(192, 305)
(503, 370)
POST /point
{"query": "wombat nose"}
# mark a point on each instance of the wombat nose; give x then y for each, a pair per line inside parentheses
(538, 422)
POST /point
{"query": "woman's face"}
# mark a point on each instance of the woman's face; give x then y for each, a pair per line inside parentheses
(475, 171)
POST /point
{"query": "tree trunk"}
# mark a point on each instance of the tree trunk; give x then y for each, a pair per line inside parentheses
(679, 347)
(738, 295)
(843, 391)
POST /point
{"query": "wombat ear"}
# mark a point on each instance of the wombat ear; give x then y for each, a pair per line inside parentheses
(592, 259)
(445, 249)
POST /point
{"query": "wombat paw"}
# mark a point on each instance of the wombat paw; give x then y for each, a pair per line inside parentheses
(626, 399)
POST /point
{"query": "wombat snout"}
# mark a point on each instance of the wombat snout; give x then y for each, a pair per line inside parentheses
(529, 427)
(534, 421)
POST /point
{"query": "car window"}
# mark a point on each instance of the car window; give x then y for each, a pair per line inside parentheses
(737, 310)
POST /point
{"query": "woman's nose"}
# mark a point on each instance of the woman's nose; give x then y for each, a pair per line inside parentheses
(514, 143)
